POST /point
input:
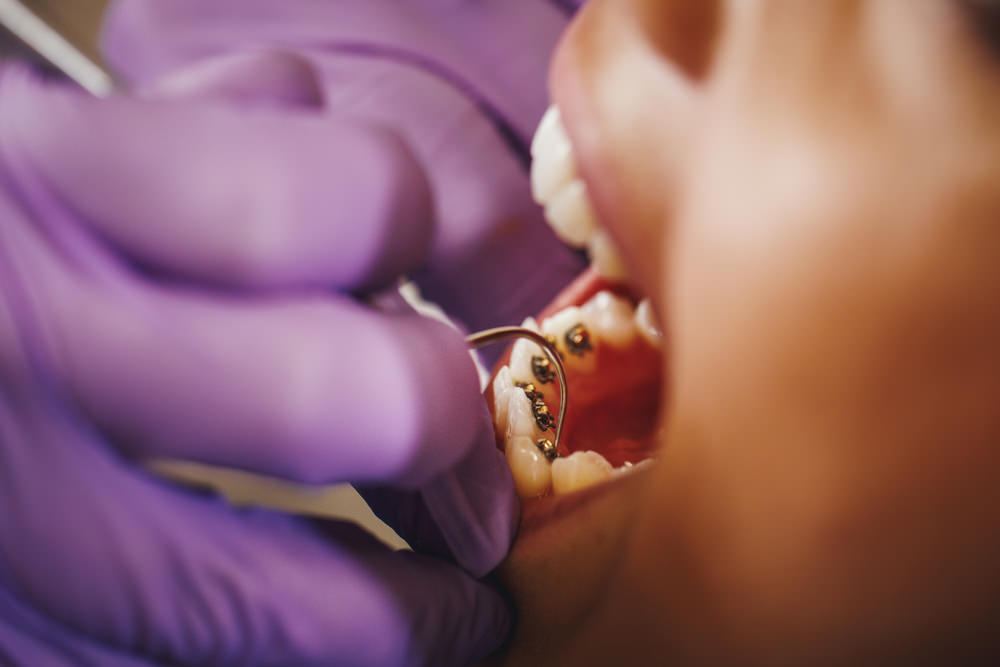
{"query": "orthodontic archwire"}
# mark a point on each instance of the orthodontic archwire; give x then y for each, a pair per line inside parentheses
(550, 448)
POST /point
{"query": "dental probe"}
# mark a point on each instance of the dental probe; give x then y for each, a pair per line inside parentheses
(550, 448)
(47, 45)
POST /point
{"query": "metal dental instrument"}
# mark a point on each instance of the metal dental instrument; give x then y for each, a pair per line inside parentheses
(50, 47)
(490, 336)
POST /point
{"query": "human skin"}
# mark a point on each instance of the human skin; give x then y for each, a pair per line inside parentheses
(810, 194)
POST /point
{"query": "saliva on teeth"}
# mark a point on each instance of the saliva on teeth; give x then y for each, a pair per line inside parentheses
(607, 319)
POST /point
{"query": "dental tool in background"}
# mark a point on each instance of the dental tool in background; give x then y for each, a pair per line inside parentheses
(45, 44)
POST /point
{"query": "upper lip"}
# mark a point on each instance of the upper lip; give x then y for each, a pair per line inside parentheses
(632, 113)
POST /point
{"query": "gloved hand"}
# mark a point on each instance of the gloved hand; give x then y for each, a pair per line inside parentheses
(173, 284)
(462, 83)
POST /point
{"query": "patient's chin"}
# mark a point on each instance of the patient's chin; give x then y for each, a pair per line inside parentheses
(558, 575)
(577, 508)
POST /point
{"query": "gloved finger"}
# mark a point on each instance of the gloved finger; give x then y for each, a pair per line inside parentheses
(185, 579)
(30, 638)
(317, 388)
(206, 192)
(443, 78)
(318, 391)
(494, 50)
(468, 513)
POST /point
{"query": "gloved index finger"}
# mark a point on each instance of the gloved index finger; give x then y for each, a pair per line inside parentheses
(206, 192)
(317, 389)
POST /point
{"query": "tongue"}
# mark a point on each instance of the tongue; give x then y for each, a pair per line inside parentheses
(613, 410)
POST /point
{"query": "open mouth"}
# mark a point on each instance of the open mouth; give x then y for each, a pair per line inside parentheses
(578, 509)
(610, 346)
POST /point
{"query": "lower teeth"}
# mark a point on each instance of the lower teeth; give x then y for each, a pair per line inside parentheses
(578, 471)
(532, 472)
(606, 258)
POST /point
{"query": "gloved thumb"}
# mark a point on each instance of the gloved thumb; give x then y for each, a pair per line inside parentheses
(468, 513)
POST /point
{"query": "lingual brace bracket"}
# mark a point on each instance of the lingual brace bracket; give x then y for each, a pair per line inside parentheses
(550, 448)
(539, 410)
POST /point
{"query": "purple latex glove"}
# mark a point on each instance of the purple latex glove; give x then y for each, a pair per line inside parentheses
(463, 83)
(170, 280)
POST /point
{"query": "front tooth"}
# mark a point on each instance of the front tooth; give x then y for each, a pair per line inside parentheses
(559, 325)
(611, 318)
(502, 383)
(531, 471)
(606, 258)
(645, 322)
(553, 166)
(571, 214)
(520, 417)
(549, 127)
(578, 471)
(521, 362)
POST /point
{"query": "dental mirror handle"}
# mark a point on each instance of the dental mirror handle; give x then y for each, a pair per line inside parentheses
(50, 47)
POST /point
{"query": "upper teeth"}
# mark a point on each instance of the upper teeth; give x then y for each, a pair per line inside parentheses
(520, 416)
(501, 383)
(611, 318)
(560, 328)
(606, 319)
(645, 321)
(528, 362)
(571, 215)
(556, 185)
(606, 257)
(554, 166)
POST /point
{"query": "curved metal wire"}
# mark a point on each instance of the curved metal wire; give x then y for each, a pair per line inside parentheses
(490, 336)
